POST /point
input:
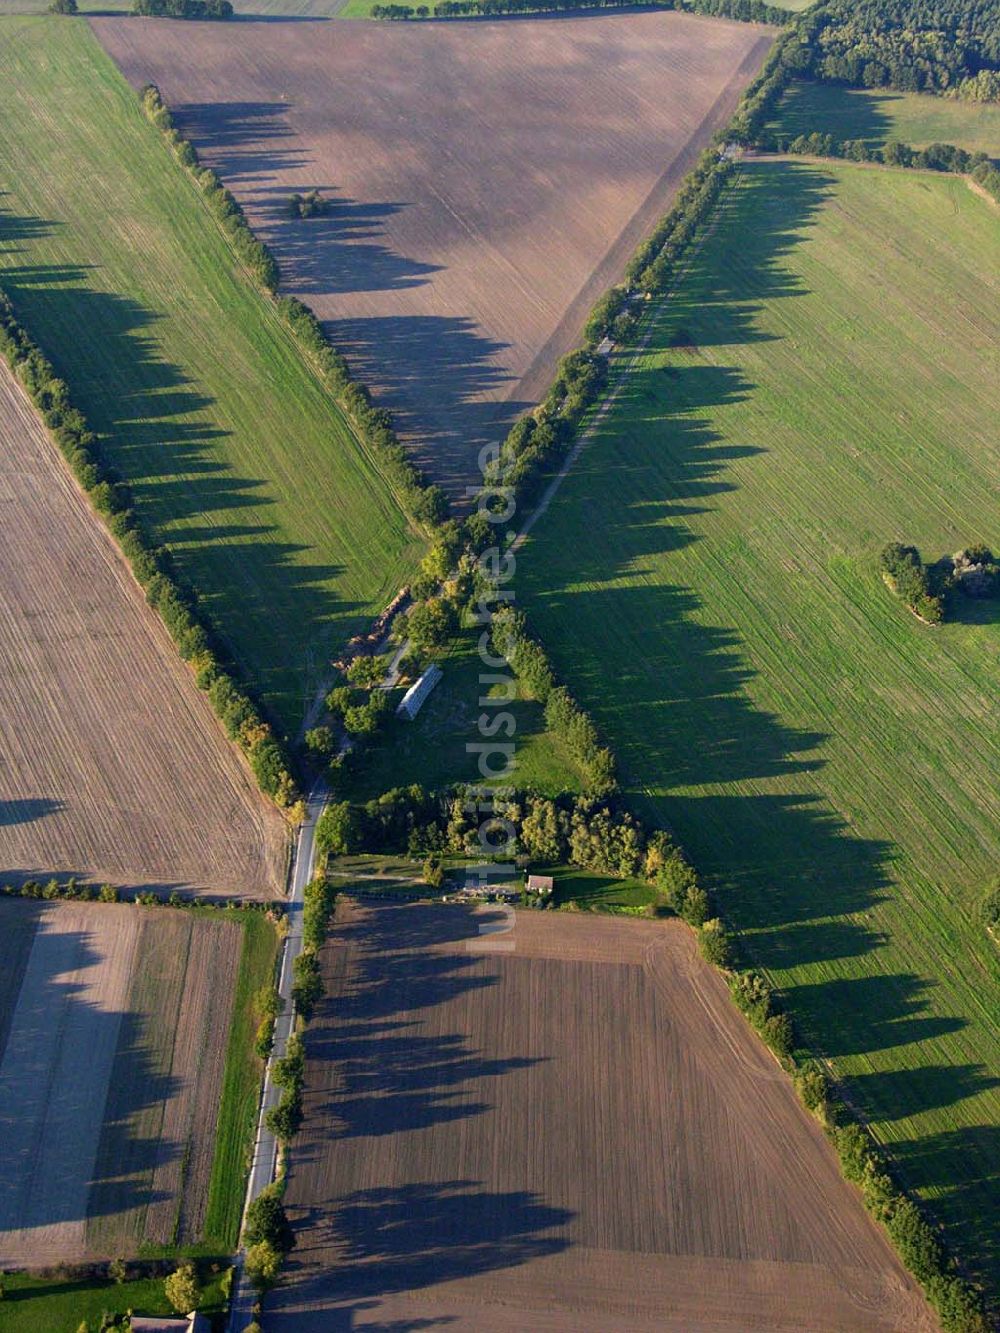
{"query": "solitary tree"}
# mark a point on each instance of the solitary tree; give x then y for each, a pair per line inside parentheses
(182, 1290)
(262, 1264)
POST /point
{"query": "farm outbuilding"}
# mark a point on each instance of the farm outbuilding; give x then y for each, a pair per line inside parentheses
(541, 884)
(191, 1323)
(414, 698)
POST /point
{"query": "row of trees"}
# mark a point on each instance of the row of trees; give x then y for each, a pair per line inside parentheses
(935, 157)
(183, 9)
(151, 564)
(914, 45)
(563, 715)
(748, 11)
(426, 503)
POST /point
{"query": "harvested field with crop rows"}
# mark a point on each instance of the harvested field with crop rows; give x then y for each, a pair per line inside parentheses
(112, 765)
(488, 181)
(561, 1126)
(115, 1024)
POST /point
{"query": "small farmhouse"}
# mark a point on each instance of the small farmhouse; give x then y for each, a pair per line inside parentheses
(541, 884)
(414, 698)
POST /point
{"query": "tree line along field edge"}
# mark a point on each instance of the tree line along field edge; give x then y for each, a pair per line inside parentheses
(759, 607)
(228, 440)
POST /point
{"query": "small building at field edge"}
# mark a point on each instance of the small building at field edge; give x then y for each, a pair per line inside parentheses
(541, 884)
(191, 1323)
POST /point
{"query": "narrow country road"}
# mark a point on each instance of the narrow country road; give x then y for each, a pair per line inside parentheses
(265, 1148)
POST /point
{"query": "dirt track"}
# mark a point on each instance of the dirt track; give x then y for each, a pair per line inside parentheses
(112, 765)
(489, 180)
(110, 1076)
(563, 1127)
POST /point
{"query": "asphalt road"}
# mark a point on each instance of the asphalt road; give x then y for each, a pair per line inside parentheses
(265, 1153)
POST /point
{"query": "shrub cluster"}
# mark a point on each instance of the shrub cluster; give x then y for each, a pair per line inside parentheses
(267, 1006)
(307, 979)
(267, 1237)
(149, 562)
(309, 205)
(748, 11)
(288, 1073)
(183, 9)
(906, 574)
(426, 504)
(755, 998)
(591, 832)
(563, 715)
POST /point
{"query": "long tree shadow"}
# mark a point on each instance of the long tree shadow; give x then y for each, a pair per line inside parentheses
(966, 1208)
(377, 1068)
(241, 139)
(339, 251)
(846, 113)
(437, 373)
(440, 376)
(162, 435)
(392, 1075)
(697, 752)
(66, 1123)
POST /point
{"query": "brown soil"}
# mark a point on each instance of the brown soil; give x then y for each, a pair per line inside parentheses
(564, 1126)
(155, 1155)
(110, 1081)
(488, 181)
(112, 765)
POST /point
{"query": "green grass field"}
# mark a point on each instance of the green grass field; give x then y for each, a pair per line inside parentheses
(431, 750)
(236, 454)
(878, 116)
(824, 380)
(54, 1305)
(241, 1086)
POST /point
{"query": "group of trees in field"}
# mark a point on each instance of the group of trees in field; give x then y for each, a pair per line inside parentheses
(929, 590)
(908, 577)
(914, 45)
(151, 564)
(749, 11)
(183, 9)
(309, 205)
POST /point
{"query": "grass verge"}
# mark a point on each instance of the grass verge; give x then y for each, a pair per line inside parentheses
(241, 1084)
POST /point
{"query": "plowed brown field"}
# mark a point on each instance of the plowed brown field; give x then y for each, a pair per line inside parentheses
(110, 1076)
(562, 1126)
(112, 765)
(488, 180)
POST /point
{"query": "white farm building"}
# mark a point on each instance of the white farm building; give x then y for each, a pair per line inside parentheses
(413, 700)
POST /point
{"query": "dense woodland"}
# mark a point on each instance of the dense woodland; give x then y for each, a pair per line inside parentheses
(914, 45)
